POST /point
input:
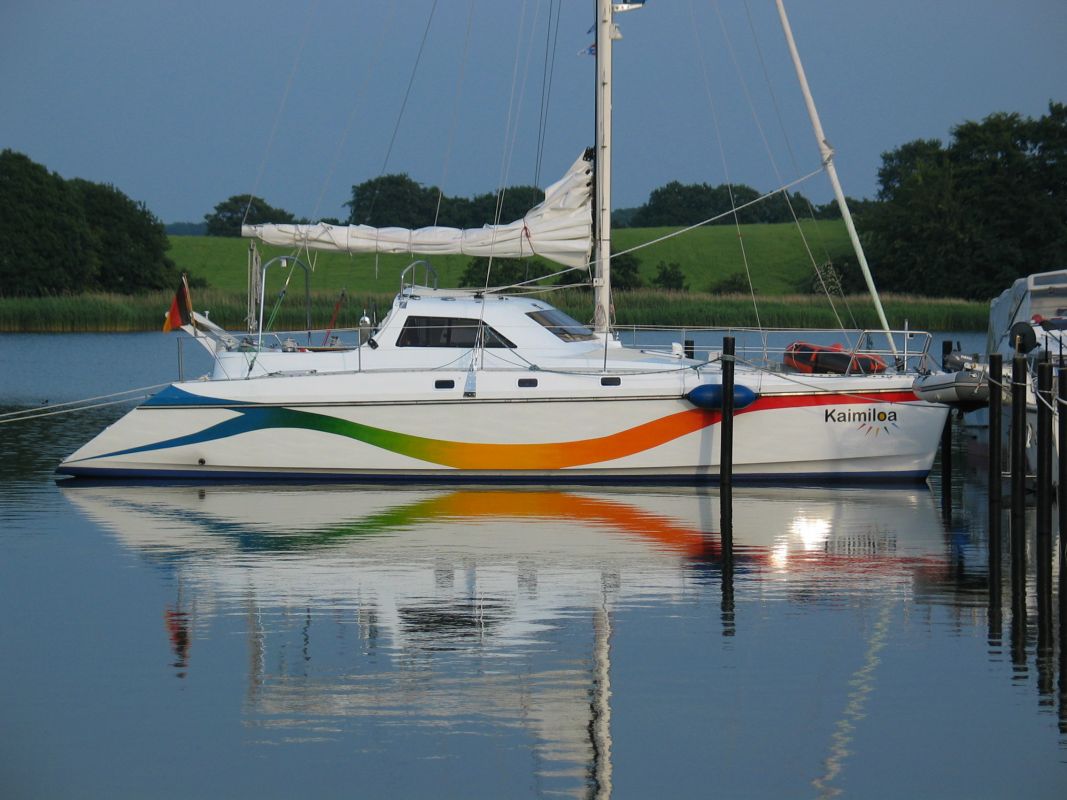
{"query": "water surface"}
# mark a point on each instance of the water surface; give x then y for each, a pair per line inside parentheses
(279, 641)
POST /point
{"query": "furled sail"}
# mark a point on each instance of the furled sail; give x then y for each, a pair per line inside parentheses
(560, 229)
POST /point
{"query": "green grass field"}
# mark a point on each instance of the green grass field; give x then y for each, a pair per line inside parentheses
(778, 263)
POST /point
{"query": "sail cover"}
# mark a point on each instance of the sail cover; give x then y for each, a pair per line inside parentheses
(559, 229)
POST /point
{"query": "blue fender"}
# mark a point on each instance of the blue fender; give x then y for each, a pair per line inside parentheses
(709, 396)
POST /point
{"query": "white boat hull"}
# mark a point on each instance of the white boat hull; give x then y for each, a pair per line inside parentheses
(883, 434)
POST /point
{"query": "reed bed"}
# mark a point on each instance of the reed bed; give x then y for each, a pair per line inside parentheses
(122, 313)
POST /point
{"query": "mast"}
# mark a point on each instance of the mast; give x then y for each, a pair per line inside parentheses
(602, 242)
(827, 153)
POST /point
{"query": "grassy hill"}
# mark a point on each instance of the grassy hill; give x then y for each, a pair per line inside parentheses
(776, 257)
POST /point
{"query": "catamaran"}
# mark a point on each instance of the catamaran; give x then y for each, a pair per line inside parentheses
(497, 385)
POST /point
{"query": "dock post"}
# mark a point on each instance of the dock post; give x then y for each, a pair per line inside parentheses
(995, 481)
(690, 348)
(946, 467)
(1061, 426)
(1018, 440)
(1043, 543)
(1045, 400)
(996, 441)
(946, 446)
(726, 437)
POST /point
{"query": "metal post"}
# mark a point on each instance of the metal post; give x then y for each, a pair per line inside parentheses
(726, 437)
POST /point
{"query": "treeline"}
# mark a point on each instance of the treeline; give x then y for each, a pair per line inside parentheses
(691, 203)
(388, 201)
(958, 219)
(65, 236)
(965, 219)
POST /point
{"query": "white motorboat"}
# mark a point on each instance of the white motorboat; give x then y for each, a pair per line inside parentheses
(487, 386)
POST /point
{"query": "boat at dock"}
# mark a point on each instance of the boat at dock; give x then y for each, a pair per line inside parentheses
(1030, 318)
(498, 385)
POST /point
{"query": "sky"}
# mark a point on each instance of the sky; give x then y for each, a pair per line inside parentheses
(183, 103)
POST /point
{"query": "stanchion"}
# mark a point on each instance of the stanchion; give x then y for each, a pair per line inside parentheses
(726, 436)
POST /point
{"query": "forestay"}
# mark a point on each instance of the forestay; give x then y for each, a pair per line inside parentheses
(559, 229)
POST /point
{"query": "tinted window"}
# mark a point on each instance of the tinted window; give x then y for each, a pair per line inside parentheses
(565, 327)
(447, 332)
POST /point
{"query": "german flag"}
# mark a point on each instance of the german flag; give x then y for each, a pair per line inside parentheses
(181, 309)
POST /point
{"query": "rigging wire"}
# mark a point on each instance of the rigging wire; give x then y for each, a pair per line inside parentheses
(403, 105)
(817, 235)
(546, 86)
(281, 108)
(356, 103)
(504, 156)
(766, 144)
(725, 164)
(455, 111)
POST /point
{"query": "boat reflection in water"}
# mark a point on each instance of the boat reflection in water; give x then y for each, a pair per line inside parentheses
(453, 608)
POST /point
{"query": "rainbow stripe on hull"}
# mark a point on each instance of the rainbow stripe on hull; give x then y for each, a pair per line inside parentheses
(660, 441)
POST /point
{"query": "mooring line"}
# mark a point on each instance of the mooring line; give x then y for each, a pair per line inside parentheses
(79, 405)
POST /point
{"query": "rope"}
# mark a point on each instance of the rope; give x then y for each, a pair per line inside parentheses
(33, 412)
(717, 217)
(32, 416)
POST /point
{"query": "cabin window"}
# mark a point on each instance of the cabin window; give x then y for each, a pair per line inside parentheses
(447, 332)
(611, 381)
(563, 326)
(527, 383)
(444, 384)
